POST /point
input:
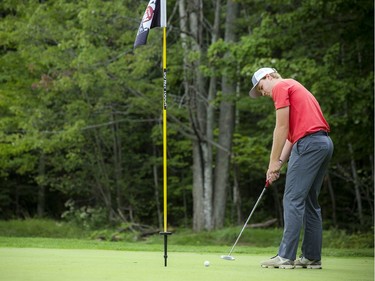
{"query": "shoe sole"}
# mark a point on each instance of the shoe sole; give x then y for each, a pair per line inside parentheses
(278, 266)
(309, 266)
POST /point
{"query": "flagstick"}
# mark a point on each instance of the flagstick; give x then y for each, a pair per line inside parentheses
(159, 8)
(165, 232)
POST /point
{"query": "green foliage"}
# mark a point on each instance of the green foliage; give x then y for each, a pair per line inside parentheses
(40, 228)
(340, 239)
(85, 217)
(81, 111)
(113, 236)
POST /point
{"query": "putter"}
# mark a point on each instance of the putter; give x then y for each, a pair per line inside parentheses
(229, 257)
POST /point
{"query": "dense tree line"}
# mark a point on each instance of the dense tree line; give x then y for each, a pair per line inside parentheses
(81, 111)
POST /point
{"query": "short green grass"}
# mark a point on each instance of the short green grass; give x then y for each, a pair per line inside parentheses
(157, 245)
(47, 250)
(20, 264)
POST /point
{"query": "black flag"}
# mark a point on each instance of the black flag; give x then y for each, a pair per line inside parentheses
(153, 17)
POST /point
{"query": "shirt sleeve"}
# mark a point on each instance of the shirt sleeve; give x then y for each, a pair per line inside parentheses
(280, 95)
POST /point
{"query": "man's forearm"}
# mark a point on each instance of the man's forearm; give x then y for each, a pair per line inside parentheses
(279, 140)
(285, 153)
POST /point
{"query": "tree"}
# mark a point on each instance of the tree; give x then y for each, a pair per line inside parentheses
(226, 119)
(81, 110)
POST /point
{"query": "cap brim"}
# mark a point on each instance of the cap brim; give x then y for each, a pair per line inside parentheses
(254, 92)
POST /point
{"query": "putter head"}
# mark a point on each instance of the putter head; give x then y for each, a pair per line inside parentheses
(228, 258)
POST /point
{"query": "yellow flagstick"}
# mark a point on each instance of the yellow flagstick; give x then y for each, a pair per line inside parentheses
(165, 126)
(165, 230)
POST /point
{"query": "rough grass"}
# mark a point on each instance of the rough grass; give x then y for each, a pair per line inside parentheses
(41, 233)
(40, 228)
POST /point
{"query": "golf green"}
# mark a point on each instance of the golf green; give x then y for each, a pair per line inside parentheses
(28, 264)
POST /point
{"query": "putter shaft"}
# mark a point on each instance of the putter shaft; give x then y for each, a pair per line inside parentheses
(248, 219)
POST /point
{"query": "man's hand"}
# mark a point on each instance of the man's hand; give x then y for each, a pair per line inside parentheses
(273, 172)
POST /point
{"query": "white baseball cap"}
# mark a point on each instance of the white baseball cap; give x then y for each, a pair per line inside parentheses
(259, 75)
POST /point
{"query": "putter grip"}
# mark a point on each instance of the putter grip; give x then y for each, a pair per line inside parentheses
(267, 184)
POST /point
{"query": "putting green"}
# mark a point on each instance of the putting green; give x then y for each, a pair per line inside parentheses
(28, 264)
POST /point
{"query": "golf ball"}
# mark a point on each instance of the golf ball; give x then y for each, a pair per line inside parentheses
(206, 263)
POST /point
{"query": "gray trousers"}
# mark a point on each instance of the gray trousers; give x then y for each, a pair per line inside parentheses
(307, 166)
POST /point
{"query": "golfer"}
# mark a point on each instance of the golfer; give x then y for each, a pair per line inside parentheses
(300, 136)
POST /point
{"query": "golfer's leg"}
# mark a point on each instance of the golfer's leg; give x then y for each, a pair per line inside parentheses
(312, 240)
(294, 205)
(293, 217)
(312, 237)
(307, 158)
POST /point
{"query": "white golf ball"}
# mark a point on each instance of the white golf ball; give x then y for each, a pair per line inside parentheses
(206, 263)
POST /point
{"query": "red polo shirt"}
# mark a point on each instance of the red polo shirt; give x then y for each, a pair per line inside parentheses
(305, 115)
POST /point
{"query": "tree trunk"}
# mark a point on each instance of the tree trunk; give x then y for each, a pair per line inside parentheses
(117, 163)
(198, 218)
(333, 200)
(191, 19)
(198, 193)
(369, 190)
(356, 184)
(42, 187)
(236, 194)
(156, 191)
(102, 178)
(226, 126)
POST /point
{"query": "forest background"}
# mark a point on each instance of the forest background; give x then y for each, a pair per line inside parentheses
(81, 110)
